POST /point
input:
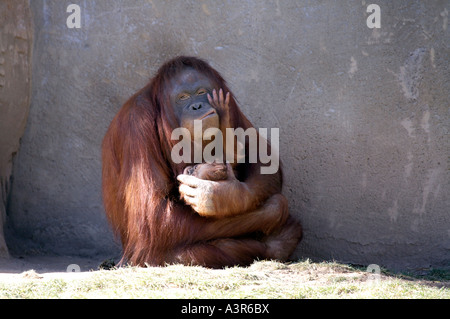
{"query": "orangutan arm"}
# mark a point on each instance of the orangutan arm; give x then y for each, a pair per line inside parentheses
(231, 196)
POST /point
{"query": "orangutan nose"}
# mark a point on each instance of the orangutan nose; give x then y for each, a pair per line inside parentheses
(196, 106)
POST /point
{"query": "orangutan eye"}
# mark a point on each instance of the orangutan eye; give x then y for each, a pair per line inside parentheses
(183, 96)
(201, 92)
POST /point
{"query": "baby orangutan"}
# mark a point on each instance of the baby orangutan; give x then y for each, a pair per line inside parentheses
(208, 171)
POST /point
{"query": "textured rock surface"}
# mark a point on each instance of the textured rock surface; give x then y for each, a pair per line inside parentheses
(363, 116)
(15, 85)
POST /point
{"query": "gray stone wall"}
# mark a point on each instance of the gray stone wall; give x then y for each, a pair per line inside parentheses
(363, 116)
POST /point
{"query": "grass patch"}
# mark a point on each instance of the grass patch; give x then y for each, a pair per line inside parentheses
(263, 279)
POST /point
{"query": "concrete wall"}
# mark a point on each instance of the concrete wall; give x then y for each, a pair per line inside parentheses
(15, 85)
(363, 116)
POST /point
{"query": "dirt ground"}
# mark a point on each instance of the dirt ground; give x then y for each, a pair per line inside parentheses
(47, 266)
